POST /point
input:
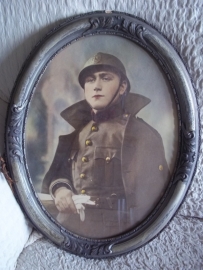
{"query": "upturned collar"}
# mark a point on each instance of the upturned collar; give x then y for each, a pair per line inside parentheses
(80, 113)
(107, 114)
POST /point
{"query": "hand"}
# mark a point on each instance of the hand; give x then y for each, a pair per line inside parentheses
(63, 200)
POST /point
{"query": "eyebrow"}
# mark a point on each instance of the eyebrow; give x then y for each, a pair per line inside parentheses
(106, 74)
(101, 74)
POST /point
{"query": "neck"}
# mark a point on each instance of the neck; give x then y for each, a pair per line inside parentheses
(109, 113)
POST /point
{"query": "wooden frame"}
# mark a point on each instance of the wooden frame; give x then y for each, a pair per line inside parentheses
(149, 60)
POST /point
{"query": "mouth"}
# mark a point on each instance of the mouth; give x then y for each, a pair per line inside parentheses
(97, 96)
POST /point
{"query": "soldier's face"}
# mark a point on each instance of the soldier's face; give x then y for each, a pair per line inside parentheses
(103, 89)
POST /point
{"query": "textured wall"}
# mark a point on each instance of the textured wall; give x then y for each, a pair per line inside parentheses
(22, 24)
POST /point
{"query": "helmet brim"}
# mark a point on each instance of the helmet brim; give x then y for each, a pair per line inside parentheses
(87, 71)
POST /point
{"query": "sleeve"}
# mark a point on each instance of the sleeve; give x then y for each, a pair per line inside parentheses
(145, 170)
(60, 171)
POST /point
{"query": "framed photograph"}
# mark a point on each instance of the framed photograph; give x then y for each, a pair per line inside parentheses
(102, 134)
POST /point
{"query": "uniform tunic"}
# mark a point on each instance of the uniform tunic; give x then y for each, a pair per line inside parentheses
(96, 158)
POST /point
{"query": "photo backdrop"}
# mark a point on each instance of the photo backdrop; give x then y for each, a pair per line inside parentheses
(58, 88)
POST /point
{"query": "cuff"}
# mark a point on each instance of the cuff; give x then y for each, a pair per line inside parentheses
(58, 184)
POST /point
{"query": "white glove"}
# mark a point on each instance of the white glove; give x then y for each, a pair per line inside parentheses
(79, 200)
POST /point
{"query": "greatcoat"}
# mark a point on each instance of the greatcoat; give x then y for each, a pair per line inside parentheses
(143, 165)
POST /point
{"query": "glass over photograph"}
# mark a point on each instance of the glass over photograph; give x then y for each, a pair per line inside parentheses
(101, 136)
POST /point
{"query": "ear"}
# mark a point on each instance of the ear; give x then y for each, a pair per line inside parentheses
(123, 87)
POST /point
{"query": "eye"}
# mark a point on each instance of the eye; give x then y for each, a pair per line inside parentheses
(89, 79)
(107, 78)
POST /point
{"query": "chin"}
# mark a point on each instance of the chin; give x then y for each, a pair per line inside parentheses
(98, 108)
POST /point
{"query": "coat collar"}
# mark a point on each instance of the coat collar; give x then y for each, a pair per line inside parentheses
(79, 114)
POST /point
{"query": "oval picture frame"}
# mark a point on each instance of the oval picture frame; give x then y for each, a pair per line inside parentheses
(32, 129)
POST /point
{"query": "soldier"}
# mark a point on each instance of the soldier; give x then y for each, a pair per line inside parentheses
(109, 174)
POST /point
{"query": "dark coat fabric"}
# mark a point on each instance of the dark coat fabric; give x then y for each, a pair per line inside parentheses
(144, 169)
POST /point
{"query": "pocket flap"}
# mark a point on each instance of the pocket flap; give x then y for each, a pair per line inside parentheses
(107, 152)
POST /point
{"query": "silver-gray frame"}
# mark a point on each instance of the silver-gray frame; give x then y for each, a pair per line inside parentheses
(139, 32)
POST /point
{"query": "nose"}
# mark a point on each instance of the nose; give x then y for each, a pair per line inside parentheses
(97, 89)
(97, 86)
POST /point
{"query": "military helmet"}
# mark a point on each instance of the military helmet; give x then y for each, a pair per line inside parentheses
(103, 61)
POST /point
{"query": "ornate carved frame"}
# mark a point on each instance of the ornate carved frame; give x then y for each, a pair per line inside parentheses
(139, 32)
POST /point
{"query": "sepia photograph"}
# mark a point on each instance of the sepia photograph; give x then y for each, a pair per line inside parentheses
(101, 136)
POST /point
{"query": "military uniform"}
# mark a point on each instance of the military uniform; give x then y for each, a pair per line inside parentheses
(115, 158)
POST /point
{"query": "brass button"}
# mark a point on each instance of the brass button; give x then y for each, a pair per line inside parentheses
(82, 175)
(83, 191)
(84, 159)
(108, 159)
(88, 142)
(94, 128)
(126, 115)
(161, 167)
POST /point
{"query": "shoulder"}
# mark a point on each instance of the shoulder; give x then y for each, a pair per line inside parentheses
(147, 127)
(66, 137)
(141, 130)
(67, 140)
(139, 124)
